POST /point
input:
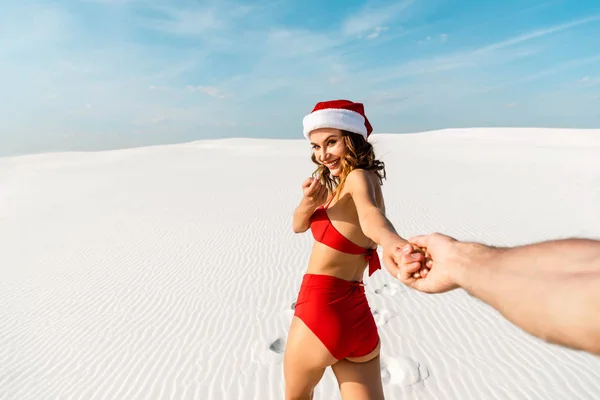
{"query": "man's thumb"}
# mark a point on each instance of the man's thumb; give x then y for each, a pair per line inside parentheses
(420, 241)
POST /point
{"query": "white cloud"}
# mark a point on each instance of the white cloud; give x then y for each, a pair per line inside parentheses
(377, 32)
(369, 18)
(588, 81)
(267, 63)
(190, 19)
(561, 67)
(481, 56)
(443, 38)
(297, 43)
(539, 33)
(187, 22)
(426, 40)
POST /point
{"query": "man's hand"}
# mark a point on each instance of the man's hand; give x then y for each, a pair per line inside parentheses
(548, 289)
(434, 273)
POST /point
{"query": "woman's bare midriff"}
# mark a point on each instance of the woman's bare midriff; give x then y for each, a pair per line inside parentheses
(327, 261)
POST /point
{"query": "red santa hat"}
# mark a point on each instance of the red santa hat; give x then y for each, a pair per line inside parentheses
(340, 114)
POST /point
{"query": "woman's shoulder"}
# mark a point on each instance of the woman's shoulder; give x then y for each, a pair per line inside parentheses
(361, 176)
(364, 184)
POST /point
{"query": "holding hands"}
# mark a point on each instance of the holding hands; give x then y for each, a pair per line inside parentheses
(428, 263)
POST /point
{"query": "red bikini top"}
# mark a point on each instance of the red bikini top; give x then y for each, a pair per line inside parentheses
(324, 232)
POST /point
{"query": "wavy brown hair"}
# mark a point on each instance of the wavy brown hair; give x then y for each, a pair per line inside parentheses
(359, 155)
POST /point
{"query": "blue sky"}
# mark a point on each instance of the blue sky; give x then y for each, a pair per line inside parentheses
(101, 74)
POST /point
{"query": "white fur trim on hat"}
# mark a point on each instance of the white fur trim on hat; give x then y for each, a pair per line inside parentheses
(346, 120)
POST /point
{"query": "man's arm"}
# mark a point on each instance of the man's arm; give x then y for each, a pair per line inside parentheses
(551, 256)
(559, 304)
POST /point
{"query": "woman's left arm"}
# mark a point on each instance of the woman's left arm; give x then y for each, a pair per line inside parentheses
(362, 186)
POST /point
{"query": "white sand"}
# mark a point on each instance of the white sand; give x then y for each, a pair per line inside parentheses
(168, 272)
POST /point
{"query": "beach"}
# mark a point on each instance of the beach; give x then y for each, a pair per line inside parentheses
(169, 272)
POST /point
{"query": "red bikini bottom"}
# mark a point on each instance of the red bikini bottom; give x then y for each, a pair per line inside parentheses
(337, 312)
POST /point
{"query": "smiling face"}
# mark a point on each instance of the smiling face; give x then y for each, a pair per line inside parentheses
(329, 148)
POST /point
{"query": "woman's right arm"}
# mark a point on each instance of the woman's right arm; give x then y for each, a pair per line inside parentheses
(314, 194)
(302, 216)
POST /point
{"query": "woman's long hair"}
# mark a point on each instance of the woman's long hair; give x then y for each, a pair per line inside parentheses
(359, 154)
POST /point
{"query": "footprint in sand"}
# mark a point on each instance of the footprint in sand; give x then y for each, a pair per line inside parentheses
(388, 289)
(381, 317)
(289, 311)
(277, 346)
(403, 371)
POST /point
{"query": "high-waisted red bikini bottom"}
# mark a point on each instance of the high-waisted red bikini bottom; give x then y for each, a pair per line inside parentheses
(337, 312)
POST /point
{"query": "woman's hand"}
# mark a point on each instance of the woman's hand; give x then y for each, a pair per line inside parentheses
(315, 193)
(403, 258)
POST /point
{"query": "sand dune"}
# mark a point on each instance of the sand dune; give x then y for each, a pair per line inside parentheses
(169, 272)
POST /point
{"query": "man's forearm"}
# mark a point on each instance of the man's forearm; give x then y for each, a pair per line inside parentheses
(562, 308)
(557, 256)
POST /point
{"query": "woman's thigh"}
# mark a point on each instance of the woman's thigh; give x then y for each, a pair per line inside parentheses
(305, 360)
(359, 381)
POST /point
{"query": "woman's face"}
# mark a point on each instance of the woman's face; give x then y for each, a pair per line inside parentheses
(329, 148)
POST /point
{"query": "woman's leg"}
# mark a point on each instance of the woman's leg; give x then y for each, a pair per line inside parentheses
(360, 380)
(304, 362)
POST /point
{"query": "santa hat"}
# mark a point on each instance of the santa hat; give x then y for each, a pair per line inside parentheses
(340, 114)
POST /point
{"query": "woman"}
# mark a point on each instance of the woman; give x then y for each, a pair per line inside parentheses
(344, 208)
